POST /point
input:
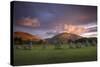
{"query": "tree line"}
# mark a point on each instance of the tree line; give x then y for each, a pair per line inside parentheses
(28, 44)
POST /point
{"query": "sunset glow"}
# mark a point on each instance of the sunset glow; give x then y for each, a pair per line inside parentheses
(48, 20)
(74, 29)
(69, 28)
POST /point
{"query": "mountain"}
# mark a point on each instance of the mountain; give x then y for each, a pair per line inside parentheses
(64, 37)
(26, 36)
(67, 36)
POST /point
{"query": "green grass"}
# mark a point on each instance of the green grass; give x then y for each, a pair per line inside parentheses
(39, 55)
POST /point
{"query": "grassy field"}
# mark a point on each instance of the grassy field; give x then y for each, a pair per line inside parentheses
(39, 55)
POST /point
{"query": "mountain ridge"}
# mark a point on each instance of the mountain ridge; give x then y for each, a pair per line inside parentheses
(26, 36)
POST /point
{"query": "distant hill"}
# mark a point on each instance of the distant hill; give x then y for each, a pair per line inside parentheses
(62, 38)
(26, 36)
(65, 37)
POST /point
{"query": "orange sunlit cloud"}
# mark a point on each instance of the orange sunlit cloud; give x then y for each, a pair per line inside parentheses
(74, 29)
(29, 22)
(69, 28)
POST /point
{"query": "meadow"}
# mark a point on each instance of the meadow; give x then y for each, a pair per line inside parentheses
(40, 55)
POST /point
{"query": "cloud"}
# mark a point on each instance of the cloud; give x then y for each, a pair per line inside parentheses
(92, 27)
(51, 33)
(90, 34)
(69, 28)
(29, 22)
(74, 29)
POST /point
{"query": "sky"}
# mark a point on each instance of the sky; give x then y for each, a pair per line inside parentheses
(47, 20)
